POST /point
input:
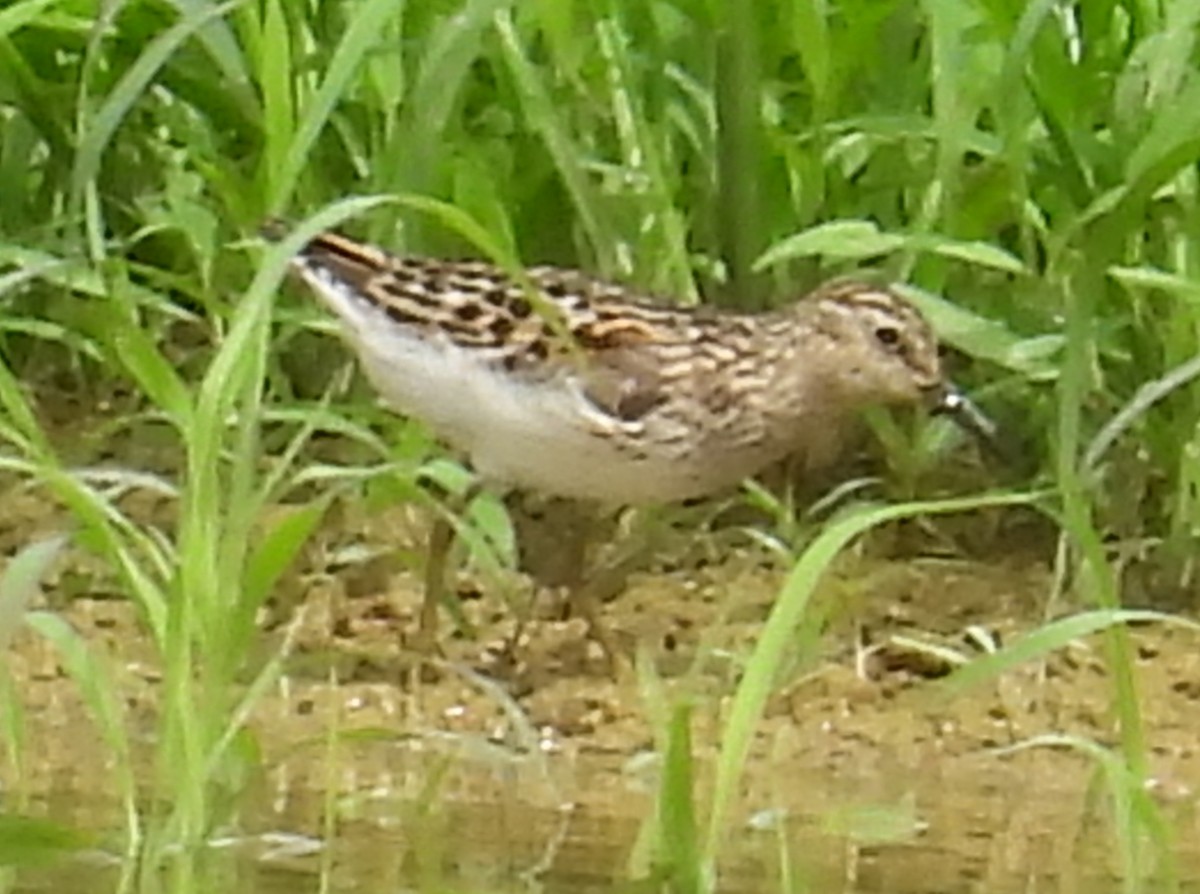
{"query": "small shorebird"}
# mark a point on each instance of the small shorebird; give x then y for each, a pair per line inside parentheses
(564, 384)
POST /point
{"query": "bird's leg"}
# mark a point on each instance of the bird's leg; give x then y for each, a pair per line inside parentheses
(553, 536)
(646, 534)
(596, 584)
(441, 539)
(588, 607)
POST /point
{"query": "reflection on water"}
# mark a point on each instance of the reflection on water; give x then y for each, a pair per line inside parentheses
(1014, 825)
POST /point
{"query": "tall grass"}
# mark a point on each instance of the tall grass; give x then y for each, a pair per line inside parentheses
(1030, 169)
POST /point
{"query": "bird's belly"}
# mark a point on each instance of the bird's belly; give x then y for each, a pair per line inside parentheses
(569, 466)
(528, 434)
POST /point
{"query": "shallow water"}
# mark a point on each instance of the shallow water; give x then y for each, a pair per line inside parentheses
(997, 837)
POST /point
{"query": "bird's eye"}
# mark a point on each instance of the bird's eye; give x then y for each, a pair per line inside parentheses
(888, 336)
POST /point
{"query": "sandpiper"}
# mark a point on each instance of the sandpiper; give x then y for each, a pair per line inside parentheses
(558, 382)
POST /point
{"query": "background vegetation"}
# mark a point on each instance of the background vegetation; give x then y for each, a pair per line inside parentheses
(1028, 168)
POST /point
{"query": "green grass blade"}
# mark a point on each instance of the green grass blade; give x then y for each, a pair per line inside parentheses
(359, 40)
(98, 133)
(778, 632)
(27, 841)
(1052, 637)
(544, 118)
(677, 813)
(21, 582)
(23, 13)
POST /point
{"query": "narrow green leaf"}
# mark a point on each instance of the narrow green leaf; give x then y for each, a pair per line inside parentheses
(99, 131)
(1153, 278)
(20, 14)
(138, 352)
(27, 841)
(545, 118)
(99, 692)
(1035, 357)
(676, 807)
(358, 40)
(1050, 638)
(838, 240)
(278, 548)
(21, 582)
(981, 254)
(275, 77)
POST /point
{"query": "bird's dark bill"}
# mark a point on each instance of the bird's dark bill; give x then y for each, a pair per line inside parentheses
(964, 411)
